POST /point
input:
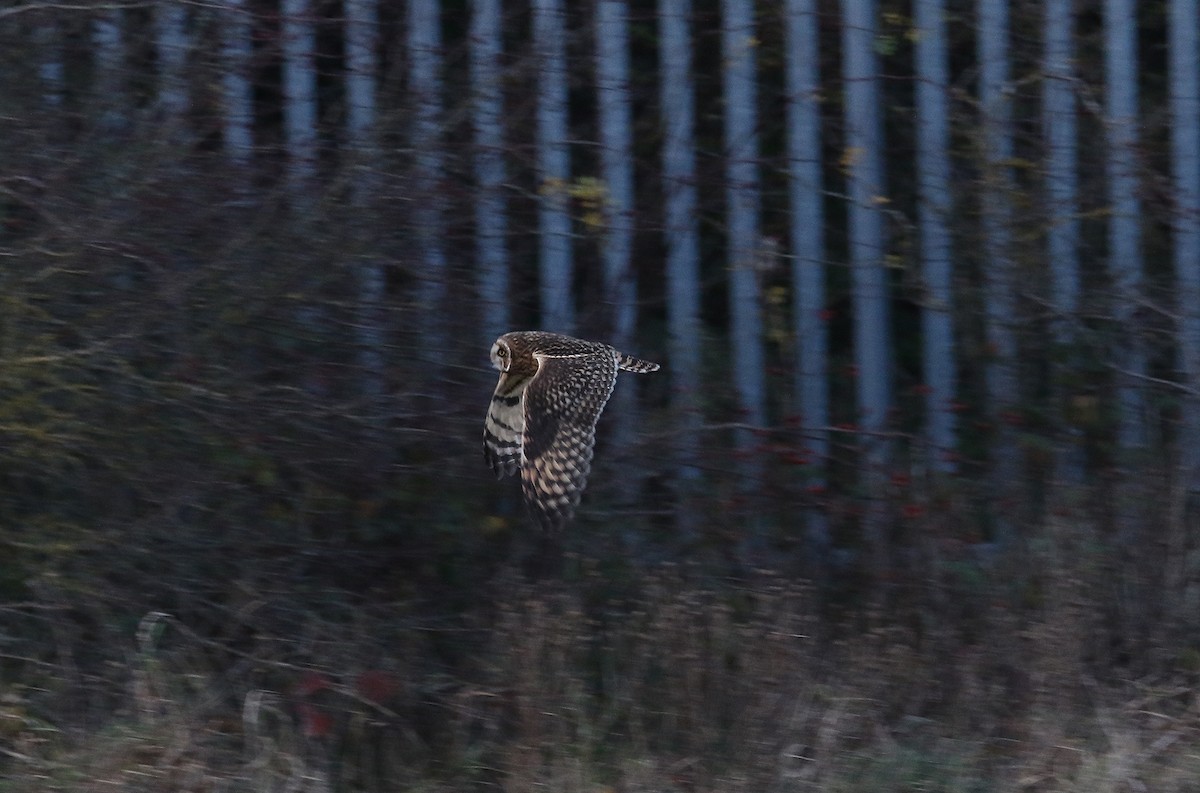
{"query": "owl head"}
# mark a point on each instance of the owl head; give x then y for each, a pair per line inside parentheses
(501, 355)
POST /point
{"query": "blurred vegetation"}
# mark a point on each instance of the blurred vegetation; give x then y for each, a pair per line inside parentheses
(670, 680)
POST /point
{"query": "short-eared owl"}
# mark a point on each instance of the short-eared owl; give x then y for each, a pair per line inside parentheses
(542, 420)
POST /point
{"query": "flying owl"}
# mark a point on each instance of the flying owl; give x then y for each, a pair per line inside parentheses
(542, 420)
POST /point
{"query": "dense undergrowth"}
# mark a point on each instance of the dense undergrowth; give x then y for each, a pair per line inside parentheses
(324, 667)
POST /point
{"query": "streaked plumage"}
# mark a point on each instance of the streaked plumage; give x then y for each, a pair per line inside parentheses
(542, 420)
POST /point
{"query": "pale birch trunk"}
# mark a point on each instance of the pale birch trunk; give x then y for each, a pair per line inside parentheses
(999, 289)
(742, 214)
(937, 269)
(1062, 237)
(806, 192)
(491, 223)
(872, 327)
(685, 335)
(426, 138)
(554, 167)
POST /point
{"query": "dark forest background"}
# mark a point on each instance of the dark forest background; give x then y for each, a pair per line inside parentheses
(248, 540)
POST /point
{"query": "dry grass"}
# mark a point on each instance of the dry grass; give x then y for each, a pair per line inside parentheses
(677, 683)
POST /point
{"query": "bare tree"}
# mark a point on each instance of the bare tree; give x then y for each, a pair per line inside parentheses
(299, 42)
(1002, 385)
(1125, 225)
(616, 163)
(807, 197)
(742, 208)
(1062, 236)
(487, 113)
(362, 75)
(866, 190)
(865, 185)
(933, 181)
(1184, 76)
(51, 68)
(425, 137)
(237, 49)
(173, 44)
(554, 167)
(684, 331)
(108, 41)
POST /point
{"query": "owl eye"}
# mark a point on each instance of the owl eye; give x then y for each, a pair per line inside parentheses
(503, 353)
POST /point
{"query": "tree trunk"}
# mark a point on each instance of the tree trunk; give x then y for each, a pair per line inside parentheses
(554, 167)
(872, 327)
(616, 164)
(684, 331)
(172, 43)
(108, 39)
(1125, 224)
(425, 67)
(300, 99)
(999, 294)
(807, 196)
(238, 50)
(362, 74)
(1059, 130)
(487, 113)
(933, 175)
(1185, 155)
(742, 210)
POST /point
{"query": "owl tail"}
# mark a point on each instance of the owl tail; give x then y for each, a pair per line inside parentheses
(631, 364)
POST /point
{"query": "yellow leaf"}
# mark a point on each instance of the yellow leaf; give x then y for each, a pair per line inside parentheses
(494, 524)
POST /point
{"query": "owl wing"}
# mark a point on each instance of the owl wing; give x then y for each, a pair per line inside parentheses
(562, 403)
(503, 428)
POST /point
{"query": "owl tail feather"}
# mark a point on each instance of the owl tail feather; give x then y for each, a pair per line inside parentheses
(631, 364)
